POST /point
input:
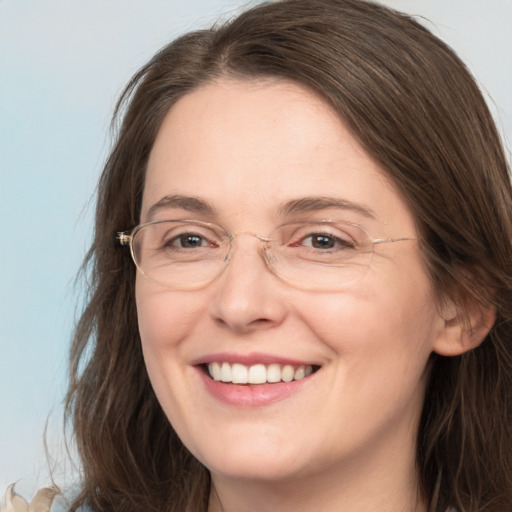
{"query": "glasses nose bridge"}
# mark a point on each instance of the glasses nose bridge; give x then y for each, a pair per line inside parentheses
(262, 249)
(250, 233)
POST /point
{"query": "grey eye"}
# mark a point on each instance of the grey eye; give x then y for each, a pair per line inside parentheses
(189, 241)
(326, 241)
(322, 241)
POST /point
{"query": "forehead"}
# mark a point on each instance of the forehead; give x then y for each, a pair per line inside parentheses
(248, 147)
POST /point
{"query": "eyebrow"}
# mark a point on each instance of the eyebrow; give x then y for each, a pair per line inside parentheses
(313, 204)
(303, 205)
(187, 203)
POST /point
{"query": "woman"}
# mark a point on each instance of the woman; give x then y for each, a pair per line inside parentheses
(318, 207)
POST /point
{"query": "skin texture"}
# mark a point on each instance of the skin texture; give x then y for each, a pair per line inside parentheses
(346, 438)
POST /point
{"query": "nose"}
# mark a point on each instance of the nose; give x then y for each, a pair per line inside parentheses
(248, 295)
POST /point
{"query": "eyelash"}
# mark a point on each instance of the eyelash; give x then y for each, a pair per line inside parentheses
(341, 242)
(336, 243)
(172, 242)
(178, 242)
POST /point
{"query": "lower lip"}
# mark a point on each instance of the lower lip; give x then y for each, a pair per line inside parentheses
(251, 395)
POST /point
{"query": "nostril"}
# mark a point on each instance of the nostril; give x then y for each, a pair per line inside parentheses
(243, 326)
(260, 322)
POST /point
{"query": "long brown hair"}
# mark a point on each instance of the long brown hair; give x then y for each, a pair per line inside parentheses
(417, 111)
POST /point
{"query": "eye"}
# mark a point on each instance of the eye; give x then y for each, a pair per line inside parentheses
(326, 241)
(187, 241)
(320, 237)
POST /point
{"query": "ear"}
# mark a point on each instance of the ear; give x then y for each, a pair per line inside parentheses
(464, 327)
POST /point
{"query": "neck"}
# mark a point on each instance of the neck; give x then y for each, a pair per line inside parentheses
(371, 487)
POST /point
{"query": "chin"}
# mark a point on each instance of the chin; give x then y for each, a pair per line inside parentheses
(263, 458)
(266, 469)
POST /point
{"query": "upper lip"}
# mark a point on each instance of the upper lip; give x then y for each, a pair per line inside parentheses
(249, 359)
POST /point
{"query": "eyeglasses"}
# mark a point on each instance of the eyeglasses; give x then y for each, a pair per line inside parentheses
(188, 254)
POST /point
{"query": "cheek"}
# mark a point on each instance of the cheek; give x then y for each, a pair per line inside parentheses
(390, 323)
(164, 320)
(165, 323)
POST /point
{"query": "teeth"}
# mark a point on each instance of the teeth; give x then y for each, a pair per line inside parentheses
(287, 373)
(215, 371)
(225, 372)
(239, 374)
(274, 373)
(300, 373)
(258, 373)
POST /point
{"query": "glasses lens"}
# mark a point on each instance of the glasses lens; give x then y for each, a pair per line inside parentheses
(322, 256)
(180, 254)
(318, 256)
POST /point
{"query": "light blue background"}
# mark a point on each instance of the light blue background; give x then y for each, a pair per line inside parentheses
(62, 65)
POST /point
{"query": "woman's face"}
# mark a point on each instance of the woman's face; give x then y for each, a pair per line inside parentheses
(252, 152)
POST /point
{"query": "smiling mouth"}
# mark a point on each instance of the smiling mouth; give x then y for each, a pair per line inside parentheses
(237, 373)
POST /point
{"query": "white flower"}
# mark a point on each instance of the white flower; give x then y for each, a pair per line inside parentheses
(41, 502)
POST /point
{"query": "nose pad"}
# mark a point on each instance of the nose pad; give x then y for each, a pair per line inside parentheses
(263, 251)
(268, 256)
(247, 291)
